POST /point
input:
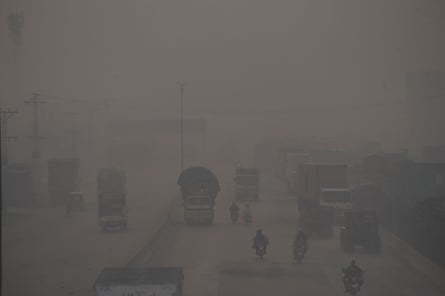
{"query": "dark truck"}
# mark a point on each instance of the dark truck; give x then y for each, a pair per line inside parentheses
(199, 187)
(111, 194)
(247, 184)
(360, 228)
(63, 178)
(160, 281)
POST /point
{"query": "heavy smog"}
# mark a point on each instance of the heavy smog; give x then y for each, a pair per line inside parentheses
(222, 148)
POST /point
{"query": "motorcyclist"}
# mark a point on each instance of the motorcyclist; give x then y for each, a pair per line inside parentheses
(260, 238)
(352, 271)
(300, 240)
(234, 209)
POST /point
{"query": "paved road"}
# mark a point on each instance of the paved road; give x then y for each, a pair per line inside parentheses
(45, 252)
(218, 259)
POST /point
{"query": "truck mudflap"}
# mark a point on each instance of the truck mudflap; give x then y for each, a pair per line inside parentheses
(198, 216)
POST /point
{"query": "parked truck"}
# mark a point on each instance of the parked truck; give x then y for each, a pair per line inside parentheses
(247, 184)
(111, 198)
(199, 187)
(160, 281)
(63, 178)
(314, 181)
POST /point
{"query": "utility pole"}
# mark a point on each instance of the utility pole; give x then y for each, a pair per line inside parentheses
(35, 101)
(5, 138)
(182, 127)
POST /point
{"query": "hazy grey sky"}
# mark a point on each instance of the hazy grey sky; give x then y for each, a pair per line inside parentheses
(295, 56)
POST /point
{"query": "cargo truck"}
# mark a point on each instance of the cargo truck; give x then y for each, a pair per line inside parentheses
(313, 181)
(247, 184)
(111, 194)
(160, 281)
(199, 187)
(63, 178)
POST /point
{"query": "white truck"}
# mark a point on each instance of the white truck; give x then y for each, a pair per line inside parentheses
(160, 281)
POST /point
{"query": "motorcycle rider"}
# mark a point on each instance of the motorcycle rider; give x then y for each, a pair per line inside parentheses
(260, 238)
(352, 271)
(234, 209)
(300, 240)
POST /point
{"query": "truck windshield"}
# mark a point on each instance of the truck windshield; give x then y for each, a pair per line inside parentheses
(336, 196)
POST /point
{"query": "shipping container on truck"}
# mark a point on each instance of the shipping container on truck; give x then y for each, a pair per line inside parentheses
(247, 184)
(159, 281)
(63, 178)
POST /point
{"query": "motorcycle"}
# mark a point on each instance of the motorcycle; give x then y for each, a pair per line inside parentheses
(299, 253)
(353, 285)
(234, 216)
(261, 250)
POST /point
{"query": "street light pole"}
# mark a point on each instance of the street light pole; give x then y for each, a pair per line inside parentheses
(182, 127)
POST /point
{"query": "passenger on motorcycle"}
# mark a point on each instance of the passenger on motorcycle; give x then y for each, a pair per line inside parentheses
(259, 239)
(352, 271)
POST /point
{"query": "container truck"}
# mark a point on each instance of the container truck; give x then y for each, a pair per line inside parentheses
(63, 178)
(199, 187)
(111, 194)
(314, 180)
(247, 184)
(159, 281)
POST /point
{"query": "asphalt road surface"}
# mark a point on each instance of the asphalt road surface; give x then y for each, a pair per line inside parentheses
(219, 260)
